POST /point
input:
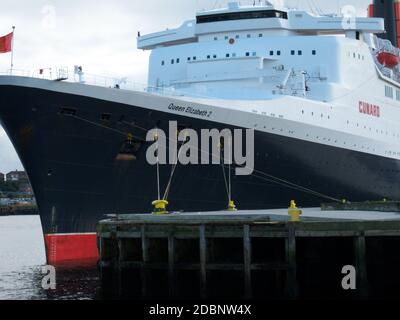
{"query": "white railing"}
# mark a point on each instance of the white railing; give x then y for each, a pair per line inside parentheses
(64, 74)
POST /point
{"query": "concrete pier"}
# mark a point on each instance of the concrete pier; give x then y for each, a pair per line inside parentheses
(250, 254)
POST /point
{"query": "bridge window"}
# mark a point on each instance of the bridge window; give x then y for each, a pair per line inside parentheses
(259, 14)
(237, 36)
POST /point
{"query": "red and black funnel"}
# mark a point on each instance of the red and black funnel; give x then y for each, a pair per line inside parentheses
(390, 11)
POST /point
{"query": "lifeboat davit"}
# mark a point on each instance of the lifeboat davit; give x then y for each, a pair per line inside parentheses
(389, 60)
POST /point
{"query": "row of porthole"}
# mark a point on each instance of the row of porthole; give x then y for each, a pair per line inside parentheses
(358, 125)
(327, 139)
(360, 57)
(318, 138)
(233, 55)
(312, 114)
(107, 117)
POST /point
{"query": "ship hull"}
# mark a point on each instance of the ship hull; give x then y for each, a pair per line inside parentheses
(69, 145)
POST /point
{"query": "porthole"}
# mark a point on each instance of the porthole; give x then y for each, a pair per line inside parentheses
(67, 111)
(106, 117)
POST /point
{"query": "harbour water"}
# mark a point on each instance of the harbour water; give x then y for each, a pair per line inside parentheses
(22, 256)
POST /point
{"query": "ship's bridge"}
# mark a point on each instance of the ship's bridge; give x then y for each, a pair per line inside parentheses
(259, 17)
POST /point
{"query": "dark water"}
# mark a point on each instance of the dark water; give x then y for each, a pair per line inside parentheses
(21, 258)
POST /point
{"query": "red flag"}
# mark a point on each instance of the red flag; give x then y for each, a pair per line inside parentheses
(6, 43)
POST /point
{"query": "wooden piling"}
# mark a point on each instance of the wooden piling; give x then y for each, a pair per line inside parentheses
(247, 261)
(361, 265)
(291, 279)
(191, 245)
(145, 260)
(203, 262)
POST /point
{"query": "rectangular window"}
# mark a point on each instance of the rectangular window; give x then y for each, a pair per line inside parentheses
(292, 52)
(260, 35)
(271, 53)
(278, 53)
(215, 56)
(389, 92)
(227, 55)
(247, 54)
(172, 61)
(163, 63)
(178, 60)
(260, 14)
(314, 52)
(194, 58)
(300, 52)
(208, 57)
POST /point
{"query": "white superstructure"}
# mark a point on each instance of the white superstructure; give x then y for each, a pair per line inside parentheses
(317, 76)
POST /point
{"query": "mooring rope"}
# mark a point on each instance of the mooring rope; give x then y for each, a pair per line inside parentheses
(265, 176)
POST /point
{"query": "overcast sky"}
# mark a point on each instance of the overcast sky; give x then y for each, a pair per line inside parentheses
(100, 35)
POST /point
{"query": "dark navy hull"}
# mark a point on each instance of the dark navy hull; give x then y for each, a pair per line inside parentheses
(77, 180)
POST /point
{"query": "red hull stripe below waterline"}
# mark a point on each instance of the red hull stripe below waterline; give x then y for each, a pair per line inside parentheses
(76, 249)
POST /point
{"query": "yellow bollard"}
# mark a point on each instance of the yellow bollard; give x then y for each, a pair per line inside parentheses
(294, 212)
(160, 206)
(232, 206)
